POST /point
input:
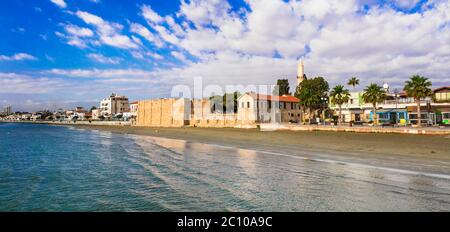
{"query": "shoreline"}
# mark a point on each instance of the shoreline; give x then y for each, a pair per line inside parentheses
(409, 152)
(281, 127)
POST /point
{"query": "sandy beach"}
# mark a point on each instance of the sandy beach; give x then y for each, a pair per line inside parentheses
(418, 152)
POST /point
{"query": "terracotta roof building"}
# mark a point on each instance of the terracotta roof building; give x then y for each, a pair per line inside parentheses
(259, 108)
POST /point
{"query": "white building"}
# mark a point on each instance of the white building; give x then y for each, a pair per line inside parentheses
(26, 116)
(114, 104)
(134, 108)
(259, 108)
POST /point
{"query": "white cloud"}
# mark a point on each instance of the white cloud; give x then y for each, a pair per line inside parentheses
(150, 15)
(73, 40)
(180, 56)
(177, 29)
(141, 55)
(154, 55)
(109, 33)
(120, 41)
(103, 59)
(137, 40)
(17, 57)
(263, 42)
(146, 34)
(60, 3)
(166, 35)
(100, 73)
(13, 83)
(78, 31)
(334, 38)
(202, 13)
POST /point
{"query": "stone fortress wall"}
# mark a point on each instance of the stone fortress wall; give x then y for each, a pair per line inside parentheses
(181, 112)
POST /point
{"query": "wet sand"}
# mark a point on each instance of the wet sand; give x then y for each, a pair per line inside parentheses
(414, 152)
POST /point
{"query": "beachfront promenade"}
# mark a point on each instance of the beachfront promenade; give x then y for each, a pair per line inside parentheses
(359, 129)
(282, 127)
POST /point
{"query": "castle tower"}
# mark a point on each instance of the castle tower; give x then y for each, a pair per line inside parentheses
(300, 73)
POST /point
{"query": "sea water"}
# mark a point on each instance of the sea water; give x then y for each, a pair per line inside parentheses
(59, 168)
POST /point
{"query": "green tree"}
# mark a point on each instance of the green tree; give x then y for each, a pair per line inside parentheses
(354, 81)
(227, 103)
(338, 96)
(312, 94)
(74, 119)
(93, 108)
(283, 87)
(418, 87)
(374, 94)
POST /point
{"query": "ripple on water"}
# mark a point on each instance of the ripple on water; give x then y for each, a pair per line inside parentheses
(46, 168)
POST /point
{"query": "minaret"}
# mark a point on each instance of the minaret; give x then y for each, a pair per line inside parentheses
(300, 73)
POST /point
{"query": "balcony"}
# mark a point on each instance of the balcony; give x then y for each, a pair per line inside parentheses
(405, 101)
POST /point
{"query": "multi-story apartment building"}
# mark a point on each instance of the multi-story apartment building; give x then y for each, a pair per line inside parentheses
(113, 105)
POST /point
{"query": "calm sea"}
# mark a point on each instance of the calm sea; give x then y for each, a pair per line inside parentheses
(56, 168)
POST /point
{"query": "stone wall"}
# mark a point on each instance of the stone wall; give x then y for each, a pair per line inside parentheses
(181, 112)
(163, 112)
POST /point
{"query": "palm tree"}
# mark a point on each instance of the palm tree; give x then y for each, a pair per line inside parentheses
(418, 87)
(354, 81)
(374, 94)
(338, 96)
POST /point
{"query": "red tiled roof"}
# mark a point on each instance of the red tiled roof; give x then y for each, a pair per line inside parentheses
(135, 102)
(441, 88)
(284, 98)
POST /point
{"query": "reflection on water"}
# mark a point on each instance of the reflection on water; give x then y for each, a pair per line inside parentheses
(237, 179)
(45, 168)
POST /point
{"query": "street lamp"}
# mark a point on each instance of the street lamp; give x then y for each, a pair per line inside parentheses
(325, 105)
(396, 92)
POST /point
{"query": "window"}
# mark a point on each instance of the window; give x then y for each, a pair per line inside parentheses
(443, 96)
(248, 104)
(292, 107)
(383, 116)
(243, 104)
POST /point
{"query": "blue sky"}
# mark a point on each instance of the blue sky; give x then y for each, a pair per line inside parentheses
(63, 53)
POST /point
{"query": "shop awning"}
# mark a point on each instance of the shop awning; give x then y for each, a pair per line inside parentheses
(383, 111)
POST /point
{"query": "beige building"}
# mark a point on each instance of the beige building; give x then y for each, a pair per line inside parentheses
(113, 105)
(95, 114)
(301, 76)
